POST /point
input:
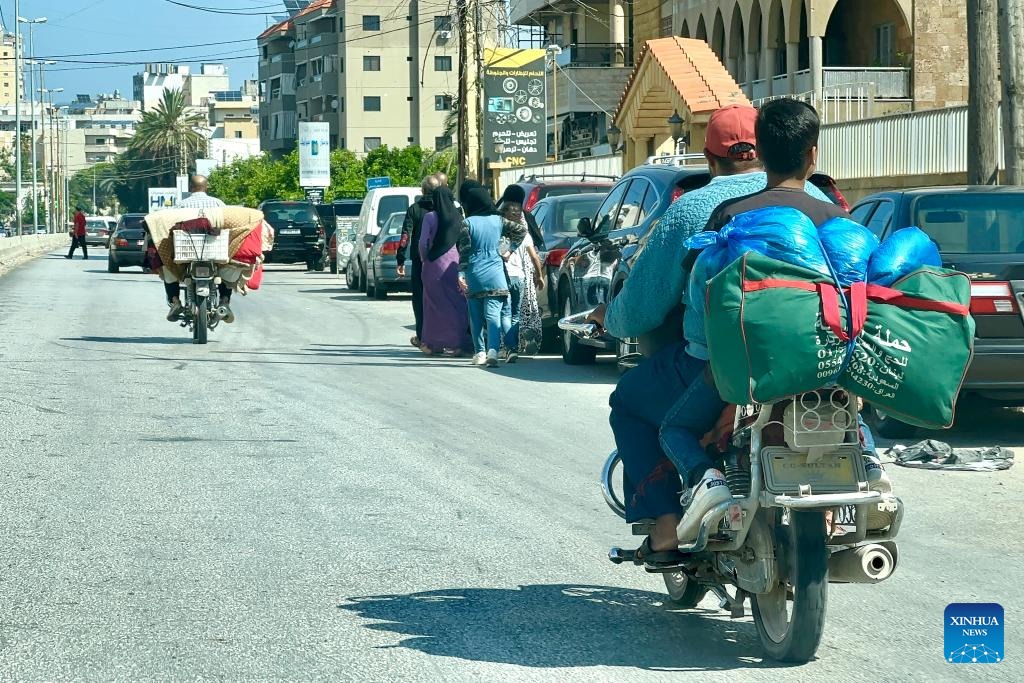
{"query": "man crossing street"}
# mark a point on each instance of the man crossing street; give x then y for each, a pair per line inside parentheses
(78, 236)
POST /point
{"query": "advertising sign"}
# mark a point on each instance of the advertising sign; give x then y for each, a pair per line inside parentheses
(378, 183)
(515, 106)
(314, 154)
(163, 198)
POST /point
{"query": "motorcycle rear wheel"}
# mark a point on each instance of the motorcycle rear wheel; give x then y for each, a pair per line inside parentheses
(200, 326)
(792, 633)
(682, 591)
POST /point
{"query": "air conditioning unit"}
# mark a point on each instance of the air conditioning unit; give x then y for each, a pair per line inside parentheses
(444, 35)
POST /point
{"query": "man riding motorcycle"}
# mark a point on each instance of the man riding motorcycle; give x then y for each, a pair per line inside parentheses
(661, 409)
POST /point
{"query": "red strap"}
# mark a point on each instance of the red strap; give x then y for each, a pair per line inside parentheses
(858, 306)
(829, 296)
(888, 295)
(877, 293)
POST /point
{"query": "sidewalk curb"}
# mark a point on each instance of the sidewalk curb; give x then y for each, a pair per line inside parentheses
(15, 251)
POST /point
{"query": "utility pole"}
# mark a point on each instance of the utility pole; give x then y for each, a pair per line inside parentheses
(463, 132)
(1011, 42)
(17, 113)
(983, 93)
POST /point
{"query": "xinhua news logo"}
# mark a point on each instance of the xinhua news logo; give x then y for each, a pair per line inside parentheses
(974, 633)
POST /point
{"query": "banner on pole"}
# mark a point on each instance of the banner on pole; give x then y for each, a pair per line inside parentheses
(314, 154)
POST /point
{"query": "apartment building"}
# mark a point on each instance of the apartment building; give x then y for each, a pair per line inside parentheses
(380, 75)
(901, 54)
(148, 85)
(8, 70)
(198, 87)
(587, 72)
(234, 123)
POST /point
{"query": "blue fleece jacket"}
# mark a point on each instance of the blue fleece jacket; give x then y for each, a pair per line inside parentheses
(657, 280)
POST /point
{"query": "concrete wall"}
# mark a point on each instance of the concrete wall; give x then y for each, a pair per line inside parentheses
(16, 250)
(940, 54)
(855, 189)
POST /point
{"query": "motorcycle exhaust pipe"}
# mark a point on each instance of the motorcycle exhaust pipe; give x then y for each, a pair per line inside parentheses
(869, 563)
(222, 312)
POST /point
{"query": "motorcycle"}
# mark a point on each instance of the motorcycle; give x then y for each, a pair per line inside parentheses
(201, 252)
(797, 521)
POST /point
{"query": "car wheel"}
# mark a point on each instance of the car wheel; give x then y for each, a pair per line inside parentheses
(362, 280)
(574, 353)
(112, 266)
(351, 281)
(311, 265)
(334, 267)
(887, 426)
(371, 290)
(380, 292)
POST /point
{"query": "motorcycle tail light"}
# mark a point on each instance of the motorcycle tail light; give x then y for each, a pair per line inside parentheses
(202, 271)
(992, 298)
(555, 257)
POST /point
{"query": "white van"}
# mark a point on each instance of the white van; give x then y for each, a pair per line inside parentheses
(378, 205)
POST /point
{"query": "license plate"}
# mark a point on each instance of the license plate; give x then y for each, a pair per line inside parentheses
(836, 472)
(139, 243)
(291, 231)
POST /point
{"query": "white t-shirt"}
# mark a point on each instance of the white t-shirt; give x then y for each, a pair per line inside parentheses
(514, 265)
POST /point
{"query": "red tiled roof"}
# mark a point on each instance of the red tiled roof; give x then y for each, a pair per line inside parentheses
(696, 73)
(314, 6)
(280, 26)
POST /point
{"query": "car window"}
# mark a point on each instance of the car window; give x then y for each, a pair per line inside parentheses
(347, 209)
(632, 212)
(95, 223)
(296, 213)
(389, 204)
(564, 190)
(610, 208)
(881, 218)
(130, 222)
(393, 226)
(972, 223)
(540, 213)
(861, 213)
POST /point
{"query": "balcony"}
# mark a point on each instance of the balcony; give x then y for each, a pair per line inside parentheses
(595, 55)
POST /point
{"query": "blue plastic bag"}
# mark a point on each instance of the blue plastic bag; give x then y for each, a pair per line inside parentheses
(779, 232)
(849, 246)
(902, 252)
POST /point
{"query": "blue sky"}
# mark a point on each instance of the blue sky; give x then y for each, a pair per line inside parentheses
(90, 26)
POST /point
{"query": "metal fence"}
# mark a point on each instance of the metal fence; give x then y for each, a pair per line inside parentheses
(889, 83)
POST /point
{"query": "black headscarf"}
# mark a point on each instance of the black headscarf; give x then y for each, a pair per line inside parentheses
(449, 223)
(515, 194)
(476, 199)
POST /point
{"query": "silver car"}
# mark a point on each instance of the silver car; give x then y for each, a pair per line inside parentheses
(382, 273)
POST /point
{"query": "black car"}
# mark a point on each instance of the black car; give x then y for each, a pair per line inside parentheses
(980, 231)
(588, 271)
(558, 217)
(298, 233)
(127, 243)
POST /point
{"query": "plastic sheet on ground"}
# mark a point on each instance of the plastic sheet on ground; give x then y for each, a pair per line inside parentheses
(938, 455)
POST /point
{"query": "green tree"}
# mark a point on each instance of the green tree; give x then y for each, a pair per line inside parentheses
(171, 131)
(80, 186)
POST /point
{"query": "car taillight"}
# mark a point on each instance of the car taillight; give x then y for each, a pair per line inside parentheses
(103, 232)
(841, 200)
(390, 248)
(992, 298)
(532, 199)
(677, 193)
(554, 257)
(122, 242)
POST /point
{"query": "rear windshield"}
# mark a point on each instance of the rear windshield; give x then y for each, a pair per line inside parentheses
(132, 234)
(348, 209)
(563, 229)
(389, 204)
(129, 222)
(95, 223)
(972, 223)
(563, 190)
(297, 213)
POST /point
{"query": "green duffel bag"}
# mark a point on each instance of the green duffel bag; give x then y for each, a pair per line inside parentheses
(776, 330)
(767, 342)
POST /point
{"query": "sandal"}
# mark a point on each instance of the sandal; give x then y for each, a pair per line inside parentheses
(426, 350)
(415, 341)
(659, 559)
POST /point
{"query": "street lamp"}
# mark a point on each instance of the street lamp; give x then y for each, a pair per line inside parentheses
(675, 127)
(52, 176)
(32, 110)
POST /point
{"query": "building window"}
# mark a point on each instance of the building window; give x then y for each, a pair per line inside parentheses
(371, 22)
(443, 23)
(885, 45)
(371, 103)
(442, 142)
(300, 75)
(370, 144)
(238, 134)
(265, 123)
(666, 26)
(442, 102)
(442, 63)
(371, 63)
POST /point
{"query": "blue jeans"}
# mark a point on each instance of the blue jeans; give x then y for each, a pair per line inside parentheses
(510, 314)
(660, 411)
(486, 312)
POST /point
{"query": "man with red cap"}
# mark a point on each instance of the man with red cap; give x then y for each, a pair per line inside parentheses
(670, 394)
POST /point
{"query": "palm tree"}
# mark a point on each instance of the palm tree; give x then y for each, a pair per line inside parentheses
(170, 131)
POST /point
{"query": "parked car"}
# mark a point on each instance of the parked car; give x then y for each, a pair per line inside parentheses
(97, 231)
(3, 232)
(978, 230)
(127, 243)
(298, 233)
(595, 269)
(382, 277)
(558, 217)
(538, 187)
(342, 242)
(378, 206)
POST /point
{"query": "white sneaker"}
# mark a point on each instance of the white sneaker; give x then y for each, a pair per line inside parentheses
(492, 358)
(479, 358)
(880, 515)
(709, 492)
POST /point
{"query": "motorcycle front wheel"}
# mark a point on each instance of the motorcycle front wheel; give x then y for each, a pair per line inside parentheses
(790, 619)
(200, 325)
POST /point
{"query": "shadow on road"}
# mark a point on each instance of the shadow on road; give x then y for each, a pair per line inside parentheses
(562, 625)
(133, 340)
(334, 290)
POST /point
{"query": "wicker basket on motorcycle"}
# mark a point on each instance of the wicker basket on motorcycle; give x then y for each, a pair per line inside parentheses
(776, 330)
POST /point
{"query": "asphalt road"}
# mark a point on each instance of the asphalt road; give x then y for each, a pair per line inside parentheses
(307, 497)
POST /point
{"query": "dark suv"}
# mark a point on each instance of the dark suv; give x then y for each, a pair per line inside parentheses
(298, 233)
(980, 231)
(127, 244)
